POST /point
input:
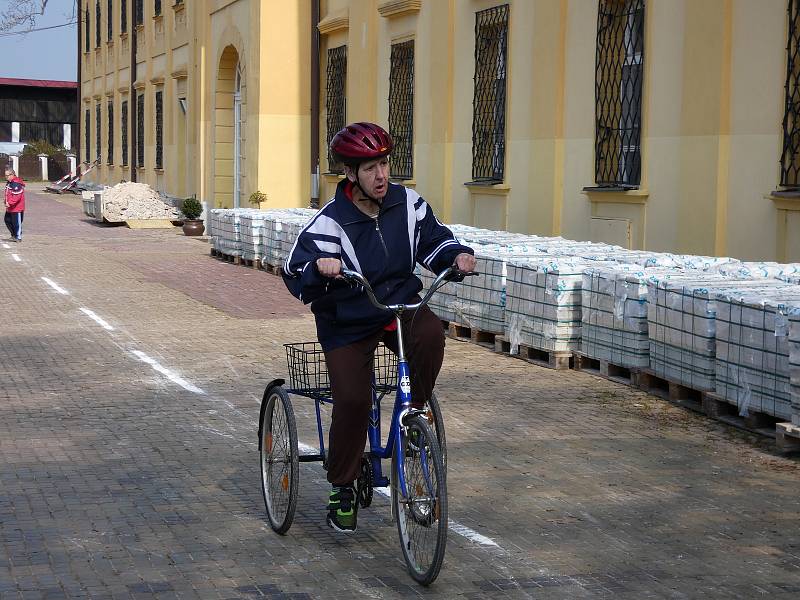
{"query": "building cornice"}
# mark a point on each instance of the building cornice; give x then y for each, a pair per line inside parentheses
(396, 8)
(157, 80)
(336, 21)
(139, 85)
(179, 74)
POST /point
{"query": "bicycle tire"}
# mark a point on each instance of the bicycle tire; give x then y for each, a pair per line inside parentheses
(279, 459)
(422, 517)
(436, 419)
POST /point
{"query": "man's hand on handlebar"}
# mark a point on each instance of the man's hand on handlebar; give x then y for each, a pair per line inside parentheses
(329, 267)
(465, 262)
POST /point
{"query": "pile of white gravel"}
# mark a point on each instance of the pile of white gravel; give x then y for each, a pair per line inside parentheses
(129, 201)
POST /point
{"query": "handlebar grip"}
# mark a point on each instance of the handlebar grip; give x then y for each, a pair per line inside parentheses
(458, 275)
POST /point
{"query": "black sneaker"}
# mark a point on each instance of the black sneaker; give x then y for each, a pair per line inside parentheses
(342, 509)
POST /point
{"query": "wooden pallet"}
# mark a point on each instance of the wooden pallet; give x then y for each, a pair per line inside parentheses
(236, 260)
(551, 359)
(625, 375)
(465, 333)
(787, 437)
(253, 263)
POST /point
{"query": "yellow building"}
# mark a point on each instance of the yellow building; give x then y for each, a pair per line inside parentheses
(666, 125)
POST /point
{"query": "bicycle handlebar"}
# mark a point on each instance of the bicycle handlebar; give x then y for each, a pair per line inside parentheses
(449, 274)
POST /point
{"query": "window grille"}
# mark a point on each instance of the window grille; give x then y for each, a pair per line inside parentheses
(401, 109)
(489, 100)
(109, 19)
(140, 130)
(335, 101)
(123, 16)
(98, 147)
(790, 156)
(157, 7)
(110, 160)
(618, 92)
(87, 137)
(97, 24)
(139, 6)
(86, 29)
(159, 130)
(123, 121)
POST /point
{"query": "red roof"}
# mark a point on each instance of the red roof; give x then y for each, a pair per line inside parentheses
(45, 83)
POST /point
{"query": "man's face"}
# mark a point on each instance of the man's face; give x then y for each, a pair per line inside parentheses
(9, 176)
(374, 177)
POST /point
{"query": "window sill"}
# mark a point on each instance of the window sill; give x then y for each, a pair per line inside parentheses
(157, 18)
(178, 6)
(616, 195)
(159, 169)
(488, 187)
(123, 35)
(139, 28)
(785, 199)
(410, 182)
(332, 176)
(110, 43)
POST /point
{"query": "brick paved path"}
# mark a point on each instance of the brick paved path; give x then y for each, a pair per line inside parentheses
(117, 482)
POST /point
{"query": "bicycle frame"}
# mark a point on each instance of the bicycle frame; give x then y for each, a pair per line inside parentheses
(402, 404)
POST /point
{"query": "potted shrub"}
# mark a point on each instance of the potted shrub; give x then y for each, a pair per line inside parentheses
(259, 199)
(192, 209)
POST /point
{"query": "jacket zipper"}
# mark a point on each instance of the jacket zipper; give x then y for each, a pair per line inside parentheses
(380, 235)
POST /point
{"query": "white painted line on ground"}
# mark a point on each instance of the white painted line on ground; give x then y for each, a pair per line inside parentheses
(55, 286)
(92, 315)
(167, 373)
(6, 246)
(16, 257)
(455, 527)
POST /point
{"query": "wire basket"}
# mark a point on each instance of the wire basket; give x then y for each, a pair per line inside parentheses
(308, 372)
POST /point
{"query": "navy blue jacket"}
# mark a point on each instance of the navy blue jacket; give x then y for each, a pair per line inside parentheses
(384, 250)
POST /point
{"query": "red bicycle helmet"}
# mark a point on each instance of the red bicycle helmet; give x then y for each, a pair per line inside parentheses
(359, 142)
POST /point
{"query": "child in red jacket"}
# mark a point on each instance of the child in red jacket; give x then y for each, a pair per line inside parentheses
(15, 204)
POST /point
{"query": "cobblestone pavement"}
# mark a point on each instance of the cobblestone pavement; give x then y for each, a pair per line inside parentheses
(131, 369)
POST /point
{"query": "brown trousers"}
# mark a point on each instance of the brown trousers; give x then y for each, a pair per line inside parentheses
(350, 372)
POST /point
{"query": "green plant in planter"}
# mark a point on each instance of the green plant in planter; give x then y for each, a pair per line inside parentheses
(191, 209)
(256, 198)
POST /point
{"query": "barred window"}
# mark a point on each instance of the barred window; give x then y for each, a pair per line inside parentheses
(139, 6)
(86, 29)
(489, 100)
(98, 147)
(123, 16)
(159, 129)
(157, 7)
(123, 121)
(335, 100)
(140, 130)
(110, 160)
(790, 156)
(87, 136)
(97, 24)
(401, 109)
(109, 19)
(618, 93)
